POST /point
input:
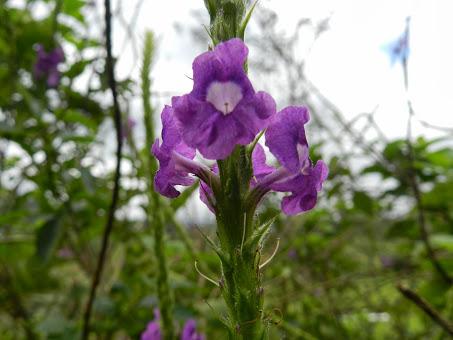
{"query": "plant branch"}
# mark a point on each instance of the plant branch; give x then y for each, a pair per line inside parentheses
(156, 208)
(426, 307)
(115, 194)
(18, 309)
(413, 182)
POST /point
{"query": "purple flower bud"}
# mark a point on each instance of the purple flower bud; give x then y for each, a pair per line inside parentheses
(189, 331)
(223, 109)
(46, 65)
(152, 331)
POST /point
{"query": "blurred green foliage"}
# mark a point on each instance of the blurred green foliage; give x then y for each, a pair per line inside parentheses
(334, 276)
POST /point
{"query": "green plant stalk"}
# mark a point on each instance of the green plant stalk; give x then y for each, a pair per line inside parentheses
(163, 288)
(241, 277)
(155, 207)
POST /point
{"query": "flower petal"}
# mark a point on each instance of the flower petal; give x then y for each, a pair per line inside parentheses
(169, 174)
(285, 137)
(304, 189)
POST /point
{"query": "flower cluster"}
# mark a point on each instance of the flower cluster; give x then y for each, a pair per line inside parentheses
(47, 65)
(224, 111)
(153, 332)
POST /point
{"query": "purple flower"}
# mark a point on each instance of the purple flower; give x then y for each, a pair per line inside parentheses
(206, 193)
(189, 331)
(304, 189)
(175, 158)
(152, 331)
(223, 110)
(260, 170)
(286, 139)
(47, 65)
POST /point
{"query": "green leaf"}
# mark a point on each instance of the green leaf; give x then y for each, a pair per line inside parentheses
(78, 138)
(76, 100)
(259, 234)
(442, 158)
(182, 199)
(48, 237)
(443, 241)
(363, 202)
(78, 67)
(77, 117)
(246, 21)
(73, 9)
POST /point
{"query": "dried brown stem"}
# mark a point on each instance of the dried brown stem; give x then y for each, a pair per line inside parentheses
(426, 308)
(115, 194)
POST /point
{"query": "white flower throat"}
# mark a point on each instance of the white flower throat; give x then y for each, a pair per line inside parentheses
(302, 152)
(224, 96)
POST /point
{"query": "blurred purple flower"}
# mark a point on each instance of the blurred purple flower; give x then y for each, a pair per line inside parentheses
(131, 123)
(292, 254)
(189, 331)
(46, 65)
(387, 261)
(128, 127)
(223, 109)
(65, 253)
(152, 331)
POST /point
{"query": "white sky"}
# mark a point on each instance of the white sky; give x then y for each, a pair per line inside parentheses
(347, 63)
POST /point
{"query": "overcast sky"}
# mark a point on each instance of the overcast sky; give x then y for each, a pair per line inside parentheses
(348, 63)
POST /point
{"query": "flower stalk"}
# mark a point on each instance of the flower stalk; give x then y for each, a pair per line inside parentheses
(155, 207)
(241, 277)
(223, 118)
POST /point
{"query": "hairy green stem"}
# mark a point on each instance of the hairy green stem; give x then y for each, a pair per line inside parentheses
(155, 207)
(239, 255)
(163, 288)
(241, 277)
